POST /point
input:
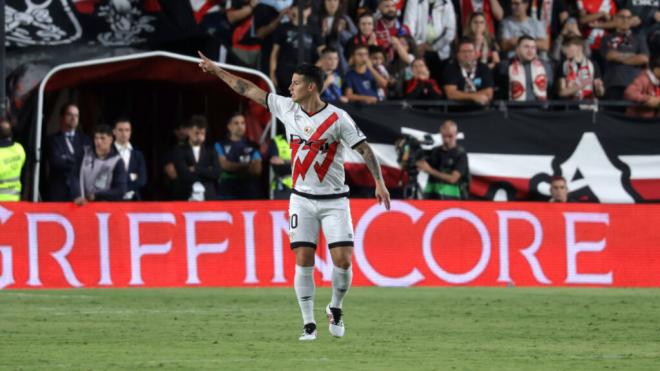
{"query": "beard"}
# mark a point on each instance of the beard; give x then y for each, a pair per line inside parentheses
(390, 16)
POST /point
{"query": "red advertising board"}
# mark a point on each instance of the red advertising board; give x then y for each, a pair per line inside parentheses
(239, 243)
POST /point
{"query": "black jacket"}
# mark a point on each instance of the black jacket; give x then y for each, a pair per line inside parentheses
(207, 170)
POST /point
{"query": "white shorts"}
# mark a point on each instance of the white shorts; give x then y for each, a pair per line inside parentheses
(307, 216)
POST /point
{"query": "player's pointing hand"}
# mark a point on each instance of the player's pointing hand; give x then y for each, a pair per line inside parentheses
(207, 65)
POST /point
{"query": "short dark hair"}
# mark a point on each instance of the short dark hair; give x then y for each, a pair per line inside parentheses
(121, 119)
(374, 49)
(557, 178)
(523, 38)
(573, 40)
(197, 121)
(102, 129)
(5, 128)
(311, 74)
(464, 40)
(328, 50)
(358, 47)
(66, 106)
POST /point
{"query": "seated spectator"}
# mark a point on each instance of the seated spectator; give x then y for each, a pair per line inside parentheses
(595, 20)
(558, 189)
(365, 35)
(337, 29)
(100, 174)
(196, 164)
(360, 83)
(328, 63)
(133, 159)
(645, 91)
(519, 24)
(529, 77)
(569, 28)
(491, 11)
(579, 77)
(467, 79)
(388, 28)
(240, 162)
(422, 86)
(284, 56)
(625, 54)
(377, 58)
(65, 150)
(401, 68)
(12, 159)
(487, 50)
(170, 184)
(433, 25)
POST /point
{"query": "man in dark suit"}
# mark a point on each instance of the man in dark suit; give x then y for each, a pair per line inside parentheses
(133, 159)
(196, 164)
(64, 151)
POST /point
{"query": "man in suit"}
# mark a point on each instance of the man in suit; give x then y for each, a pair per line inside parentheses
(133, 160)
(64, 151)
(196, 164)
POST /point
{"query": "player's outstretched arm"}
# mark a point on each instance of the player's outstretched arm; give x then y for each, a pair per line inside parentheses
(242, 86)
(382, 194)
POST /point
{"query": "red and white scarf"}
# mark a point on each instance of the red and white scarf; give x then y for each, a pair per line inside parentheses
(655, 82)
(518, 81)
(578, 72)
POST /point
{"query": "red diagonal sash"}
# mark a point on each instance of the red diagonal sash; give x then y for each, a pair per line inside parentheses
(301, 168)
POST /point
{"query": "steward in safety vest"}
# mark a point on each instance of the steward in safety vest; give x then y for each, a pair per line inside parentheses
(280, 161)
(12, 159)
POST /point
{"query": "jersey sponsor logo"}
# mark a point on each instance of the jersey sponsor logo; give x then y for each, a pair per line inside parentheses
(314, 146)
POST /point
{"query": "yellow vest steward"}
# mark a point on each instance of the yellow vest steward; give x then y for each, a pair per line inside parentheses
(12, 159)
(284, 152)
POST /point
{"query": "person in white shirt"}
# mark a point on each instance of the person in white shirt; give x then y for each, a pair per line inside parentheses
(133, 159)
(317, 133)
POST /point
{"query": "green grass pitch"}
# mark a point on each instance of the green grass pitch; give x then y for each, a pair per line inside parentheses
(386, 329)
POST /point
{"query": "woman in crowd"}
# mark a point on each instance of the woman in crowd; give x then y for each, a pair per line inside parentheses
(477, 30)
(337, 28)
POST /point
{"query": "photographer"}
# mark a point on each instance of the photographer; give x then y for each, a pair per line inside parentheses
(447, 166)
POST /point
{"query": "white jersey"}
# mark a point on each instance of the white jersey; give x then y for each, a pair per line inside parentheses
(317, 143)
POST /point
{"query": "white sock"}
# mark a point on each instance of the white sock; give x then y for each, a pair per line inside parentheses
(303, 283)
(341, 282)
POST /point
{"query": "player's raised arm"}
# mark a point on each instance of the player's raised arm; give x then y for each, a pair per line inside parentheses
(382, 194)
(242, 86)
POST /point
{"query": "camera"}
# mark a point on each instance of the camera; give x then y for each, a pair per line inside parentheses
(409, 150)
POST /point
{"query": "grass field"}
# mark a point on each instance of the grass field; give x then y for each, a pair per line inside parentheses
(386, 329)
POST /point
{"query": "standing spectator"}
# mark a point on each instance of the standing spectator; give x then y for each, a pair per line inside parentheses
(646, 13)
(401, 68)
(100, 175)
(487, 51)
(466, 79)
(240, 162)
(447, 167)
(579, 77)
(337, 29)
(133, 159)
(569, 28)
(595, 20)
(361, 84)
(491, 10)
(422, 86)
(389, 28)
(365, 35)
(196, 164)
(284, 57)
(625, 54)
(529, 77)
(433, 25)
(12, 159)
(332, 85)
(65, 151)
(645, 91)
(244, 43)
(552, 13)
(520, 24)
(558, 189)
(171, 184)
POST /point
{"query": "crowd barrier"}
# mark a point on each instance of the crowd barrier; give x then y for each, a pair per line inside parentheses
(245, 244)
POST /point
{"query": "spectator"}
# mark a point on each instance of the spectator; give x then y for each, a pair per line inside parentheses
(595, 20)
(337, 29)
(467, 79)
(569, 28)
(433, 25)
(558, 189)
(279, 152)
(625, 54)
(196, 164)
(133, 159)
(529, 77)
(579, 77)
(240, 162)
(65, 151)
(520, 24)
(645, 91)
(100, 174)
(645, 13)
(447, 167)
(12, 159)
(487, 51)
(401, 68)
(365, 36)
(328, 62)
(357, 8)
(389, 29)
(360, 84)
(422, 86)
(491, 11)
(244, 43)
(377, 58)
(284, 57)
(552, 13)
(171, 183)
